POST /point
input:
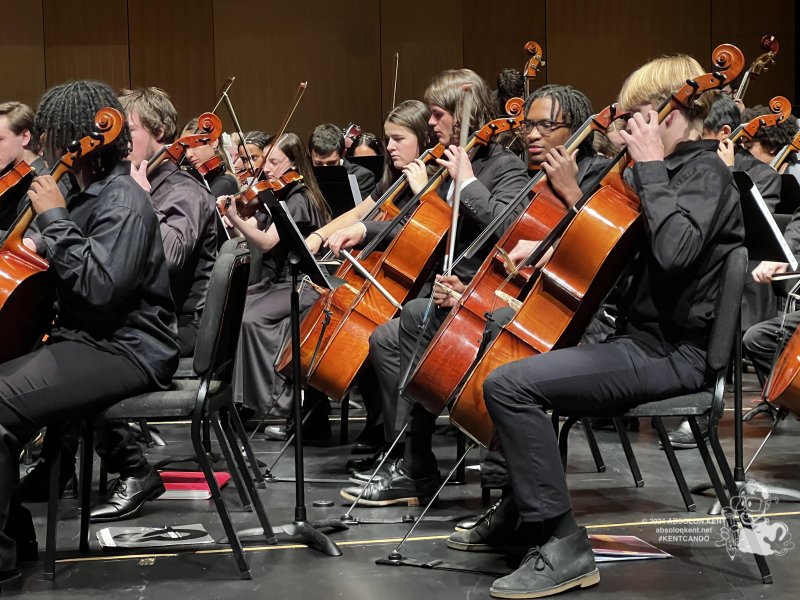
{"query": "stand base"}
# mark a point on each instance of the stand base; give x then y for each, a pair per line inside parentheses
(395, 559)
(307, 533)
(786, 494)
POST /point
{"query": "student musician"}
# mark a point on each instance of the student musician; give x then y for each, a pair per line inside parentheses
(116, 329)
(250, 154)
(18, 142)
(219, 181)
(686, 193)
(489, 181)
(327, 148)
(266, 317)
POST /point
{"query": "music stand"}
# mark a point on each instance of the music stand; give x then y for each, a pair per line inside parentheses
(764, 241)
(790, 195)
(373, 163)
(339, 188)
(301, 261)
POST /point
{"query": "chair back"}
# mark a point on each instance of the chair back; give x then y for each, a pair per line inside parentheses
(221, 321)
(729, 303)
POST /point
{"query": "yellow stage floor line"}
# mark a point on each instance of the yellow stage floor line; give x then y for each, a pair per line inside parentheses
(375, 542)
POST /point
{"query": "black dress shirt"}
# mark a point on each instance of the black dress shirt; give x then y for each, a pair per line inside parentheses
(692, 220)
(188, 231)
(112, 285)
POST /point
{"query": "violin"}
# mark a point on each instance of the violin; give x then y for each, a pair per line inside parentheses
(213, 166)
(26, 296)
(760, 65)
(458, 342)
(780, 110)
(595, 242)
(15, 176)
(398, 273)
(780, 157)
(247, 202)
(209, 128)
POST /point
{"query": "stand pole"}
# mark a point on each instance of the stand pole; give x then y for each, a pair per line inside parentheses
(738, 436)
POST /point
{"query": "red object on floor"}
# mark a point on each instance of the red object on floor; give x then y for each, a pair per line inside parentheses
(190, 485)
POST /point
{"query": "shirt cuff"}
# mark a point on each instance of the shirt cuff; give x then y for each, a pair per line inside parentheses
(50, 216)
(464, 184)
(652, 171)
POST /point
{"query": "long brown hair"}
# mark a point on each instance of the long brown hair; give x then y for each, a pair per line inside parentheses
(414, 116)
(447, 90)
(296, 152)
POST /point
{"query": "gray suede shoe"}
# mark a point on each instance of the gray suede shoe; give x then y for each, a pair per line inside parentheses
(558, 566)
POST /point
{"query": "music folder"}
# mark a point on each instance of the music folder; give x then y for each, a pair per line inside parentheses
(339, 188)
(790, 195)
(763, 238)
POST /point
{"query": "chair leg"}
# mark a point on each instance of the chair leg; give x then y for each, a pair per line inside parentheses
(677, 472)
(244, 440)
(596, 455)
(237, 476)
(722, 461)
(216, 496)
(87, 456)
(226, 429)
(145, 428)
(563, 439)
(743, 516)
(619, 425)
(52, 502)
(344, 423)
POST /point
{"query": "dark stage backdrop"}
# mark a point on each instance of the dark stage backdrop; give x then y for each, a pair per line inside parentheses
(345, 49)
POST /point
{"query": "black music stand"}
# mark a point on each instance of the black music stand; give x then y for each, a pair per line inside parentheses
(373, 163)
(790, 195)
(764, 241)
(339, 188)
(301, 261)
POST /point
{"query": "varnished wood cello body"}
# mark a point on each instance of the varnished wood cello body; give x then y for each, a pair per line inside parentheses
(26, 293)
(594, 247)
(457, 343)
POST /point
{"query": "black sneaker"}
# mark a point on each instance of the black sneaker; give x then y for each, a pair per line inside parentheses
(35, 485)
(398, 488)
(495, 531)
(560, 565)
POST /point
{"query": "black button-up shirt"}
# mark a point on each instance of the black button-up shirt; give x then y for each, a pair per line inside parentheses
(112, 285)
(188, 231)
(692, 221)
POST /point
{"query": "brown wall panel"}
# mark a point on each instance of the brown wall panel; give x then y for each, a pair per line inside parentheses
(494, 39)
(428, 43)
(22, 46)
(728, 24)
(594, 46)
(90, 43)
(335, 47)
(172, 46)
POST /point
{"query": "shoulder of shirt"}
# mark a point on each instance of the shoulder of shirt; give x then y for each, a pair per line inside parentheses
(497, 153)
(123, 191)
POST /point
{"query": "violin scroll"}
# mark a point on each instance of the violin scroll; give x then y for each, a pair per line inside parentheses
(210, 125)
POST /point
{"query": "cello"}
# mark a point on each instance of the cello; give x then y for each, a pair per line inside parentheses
(400, 271)
(326, 312)
(780, 157)
(760, 65)
(780, 110)
(26, 296)
(596, 242)
(457, 343)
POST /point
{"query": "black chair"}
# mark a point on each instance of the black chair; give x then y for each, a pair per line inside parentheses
(706, 402)
(206, 401)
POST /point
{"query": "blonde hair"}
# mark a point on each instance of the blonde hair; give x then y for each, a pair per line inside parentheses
(654, 82)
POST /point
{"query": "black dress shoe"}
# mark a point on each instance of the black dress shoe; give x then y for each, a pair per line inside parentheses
(560, 565)
(27, 551)
(495, 531)
(386, 470)
(128, 496)
(367, 447)
(10, 580)
(35, 485)
(398, 488)
(359, 465)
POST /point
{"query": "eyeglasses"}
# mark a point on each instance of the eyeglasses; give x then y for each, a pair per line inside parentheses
(545, 127)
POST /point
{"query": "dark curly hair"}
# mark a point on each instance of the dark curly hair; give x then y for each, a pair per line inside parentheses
(66, 114)
(574, 106)
(772, 139)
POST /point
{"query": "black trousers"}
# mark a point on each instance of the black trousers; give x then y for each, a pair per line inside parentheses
(761, 341)
(620, 372)
(395, 348)
(53, 384)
